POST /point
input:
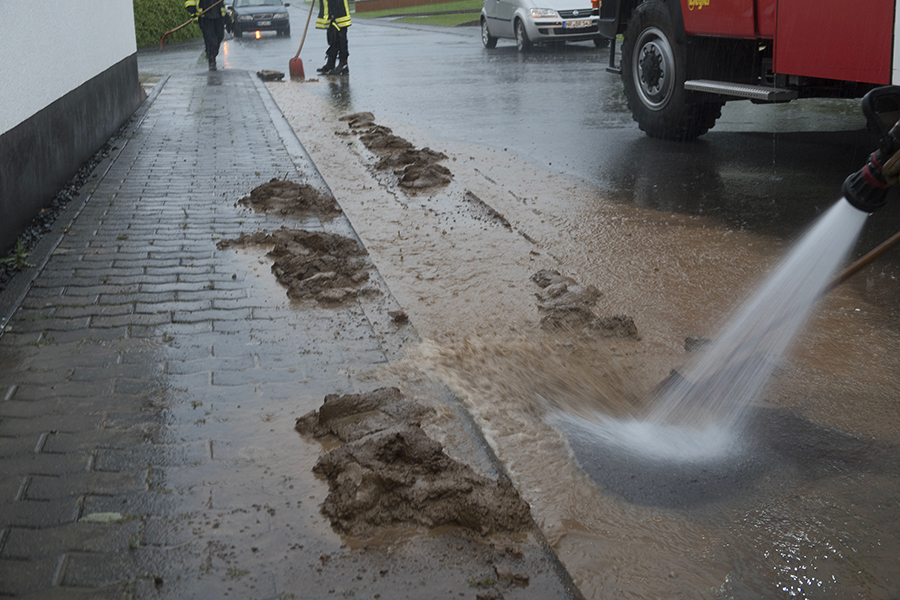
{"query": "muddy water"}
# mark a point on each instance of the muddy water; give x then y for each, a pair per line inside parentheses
(806, 505)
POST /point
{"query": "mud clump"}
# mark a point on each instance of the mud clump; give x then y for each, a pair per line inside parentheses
(284, 197)
(415, 169)
(327, 267)
(389, 472)
(267, 75)
(568, 306)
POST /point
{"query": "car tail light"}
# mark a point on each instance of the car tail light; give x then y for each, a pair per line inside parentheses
(595, 4)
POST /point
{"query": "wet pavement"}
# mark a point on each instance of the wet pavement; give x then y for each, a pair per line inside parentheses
(180, 396)
(766, 169)
(775, 520)
(150, 384)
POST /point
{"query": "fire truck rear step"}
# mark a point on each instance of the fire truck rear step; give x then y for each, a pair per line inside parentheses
(758, 93)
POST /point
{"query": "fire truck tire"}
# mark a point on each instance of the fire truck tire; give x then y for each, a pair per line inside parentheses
(654, 69)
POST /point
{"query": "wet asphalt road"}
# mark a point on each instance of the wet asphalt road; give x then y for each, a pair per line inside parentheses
(769, 169)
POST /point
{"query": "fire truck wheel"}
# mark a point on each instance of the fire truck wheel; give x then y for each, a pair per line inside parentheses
(654, 68)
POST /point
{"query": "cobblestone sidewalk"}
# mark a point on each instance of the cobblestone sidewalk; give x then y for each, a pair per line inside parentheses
(149, 383)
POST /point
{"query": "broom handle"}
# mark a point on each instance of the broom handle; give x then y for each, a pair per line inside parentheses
(312, 5)
(862, 262)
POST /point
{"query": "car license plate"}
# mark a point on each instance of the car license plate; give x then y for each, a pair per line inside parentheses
(263, 23)
(577, 24)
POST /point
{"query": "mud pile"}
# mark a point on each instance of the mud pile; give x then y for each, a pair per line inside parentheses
(327, 267)
(568, 306)
(388, 472)
(284, 197)
(414, 168)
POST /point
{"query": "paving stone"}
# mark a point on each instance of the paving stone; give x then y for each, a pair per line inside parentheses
(45, 464)
(157, 455)
(229, 378)
(54, 405)
(16, 446)
(210, 295)
(36, 514)
(174, 330)
(94, 310)
(112, 592)
(138, 386)
(18, 577)
(30, 376)
(49, 325)
(10, 486)
(10, 426)
(240, 314)
(60, 442)
(88, 335)
(96, 482)
(170, 307)
(211, 364)
(120, 371)
(98, 570)
(78, 389)
(133, 297)
(82, 536)
(131, 319)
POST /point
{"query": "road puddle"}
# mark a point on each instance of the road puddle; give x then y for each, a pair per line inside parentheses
(806, 507)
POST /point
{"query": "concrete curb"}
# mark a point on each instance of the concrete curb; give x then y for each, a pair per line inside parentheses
(376, 315)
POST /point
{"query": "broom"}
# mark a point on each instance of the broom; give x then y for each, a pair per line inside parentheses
(188, 22)
(295, 65)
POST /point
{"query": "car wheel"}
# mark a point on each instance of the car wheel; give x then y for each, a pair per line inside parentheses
(487, 39)
(286, 32)
(601, 42)
(522, 42)
(237, 31)
(654, 69)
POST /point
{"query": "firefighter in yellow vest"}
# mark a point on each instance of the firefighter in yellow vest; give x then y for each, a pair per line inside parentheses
(334, 17)
(212, 24)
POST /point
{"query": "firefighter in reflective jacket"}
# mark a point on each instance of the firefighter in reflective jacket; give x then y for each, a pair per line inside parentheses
(212, 24)
(334, 17)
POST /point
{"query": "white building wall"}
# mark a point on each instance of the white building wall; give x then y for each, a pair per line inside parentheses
(50, 47)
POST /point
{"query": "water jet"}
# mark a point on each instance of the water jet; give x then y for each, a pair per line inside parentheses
(702, 434)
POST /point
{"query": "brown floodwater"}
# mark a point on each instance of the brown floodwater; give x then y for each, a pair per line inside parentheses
(804, 502)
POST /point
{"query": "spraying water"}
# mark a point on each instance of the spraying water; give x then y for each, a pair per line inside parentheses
(698, 414)
(735, 369)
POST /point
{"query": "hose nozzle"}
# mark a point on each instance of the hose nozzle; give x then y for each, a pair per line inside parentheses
(867, 188)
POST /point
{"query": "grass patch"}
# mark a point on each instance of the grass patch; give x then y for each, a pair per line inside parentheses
(442, 20)
(466, 5)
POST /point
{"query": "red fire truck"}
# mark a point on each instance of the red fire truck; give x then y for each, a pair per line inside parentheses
(682, 60)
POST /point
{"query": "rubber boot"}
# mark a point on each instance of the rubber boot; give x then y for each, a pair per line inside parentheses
(212, 64)
(328, 67)
(341, 69)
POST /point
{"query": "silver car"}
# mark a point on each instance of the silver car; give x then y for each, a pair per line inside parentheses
(540, 21)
